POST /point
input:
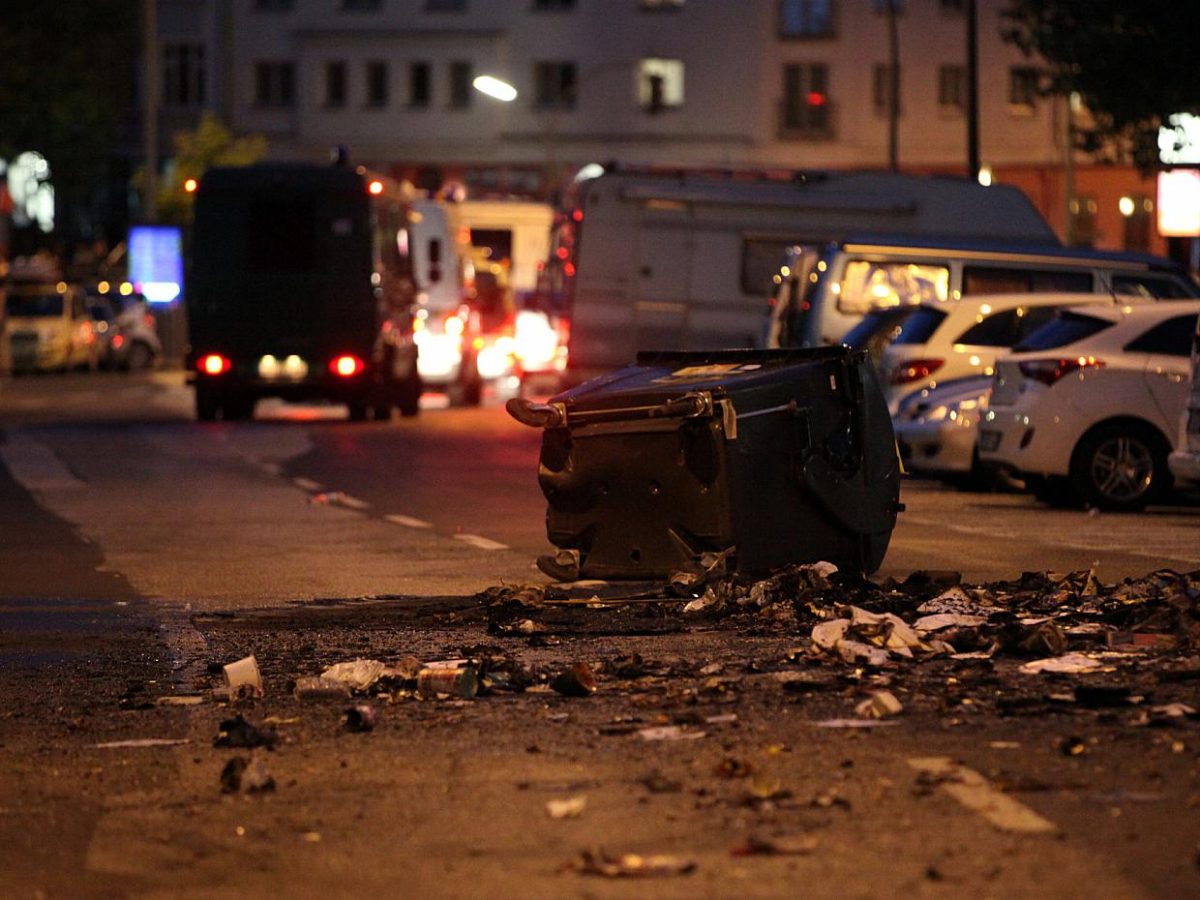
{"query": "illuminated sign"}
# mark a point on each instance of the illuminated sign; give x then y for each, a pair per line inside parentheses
(156, 261)
(1179, 203)
(1179, 144)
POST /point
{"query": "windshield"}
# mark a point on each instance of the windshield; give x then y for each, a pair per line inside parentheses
(1068, 328)
(920, 326)
(31, 306)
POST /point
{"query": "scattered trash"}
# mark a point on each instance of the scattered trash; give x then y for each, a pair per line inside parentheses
(879, 705)
(632, 865)
(239, 732)
(732, 767)
(453, 682)
(793, 845)
(357, 675)
(569, 808)
(360, 717)
(1072, 746)
(657, 783)
(246, 776)
(317, 688)
(183, 700)
(854, 723)
(242, 680)
(142, 742)
(577, 681)
(1071, 663)
(668, 733)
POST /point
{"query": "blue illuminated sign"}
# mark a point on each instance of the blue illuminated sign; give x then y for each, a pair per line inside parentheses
(156, 261)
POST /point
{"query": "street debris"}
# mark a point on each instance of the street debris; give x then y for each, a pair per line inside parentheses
(240, 732)
(243, 681)
(880, 705)
(452, 682)
(134, 743)
(789, 845)
(361, 717)
(182, 700)
(246, 776)
(668, 733)
(631, 865)
(577, 681)
(314, 687)
(568, 808)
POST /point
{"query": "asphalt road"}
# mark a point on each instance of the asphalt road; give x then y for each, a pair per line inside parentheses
(140, 550)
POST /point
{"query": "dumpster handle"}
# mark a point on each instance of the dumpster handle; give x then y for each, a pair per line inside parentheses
(691, 405)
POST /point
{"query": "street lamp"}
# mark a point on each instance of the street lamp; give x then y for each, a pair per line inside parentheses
(495, 88)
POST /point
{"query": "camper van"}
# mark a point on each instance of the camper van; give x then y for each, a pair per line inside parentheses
(822, 295)
(652, 259)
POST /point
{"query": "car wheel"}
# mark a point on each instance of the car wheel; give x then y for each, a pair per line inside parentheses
(1120, 467)
(140, 357)
(207, 405)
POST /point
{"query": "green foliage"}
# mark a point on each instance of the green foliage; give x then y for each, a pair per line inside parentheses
(66, 81)
(1131, 63)
(209, 144)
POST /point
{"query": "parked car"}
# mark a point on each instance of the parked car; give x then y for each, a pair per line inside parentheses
(1087, 407)
(1185, 461)
(945, 341)
(126, 332)
(937, 430)
(46, 328)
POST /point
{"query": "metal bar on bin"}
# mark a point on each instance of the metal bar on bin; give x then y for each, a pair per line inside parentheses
(556, 415)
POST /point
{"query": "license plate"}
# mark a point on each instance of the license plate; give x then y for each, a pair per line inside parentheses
(989, 440)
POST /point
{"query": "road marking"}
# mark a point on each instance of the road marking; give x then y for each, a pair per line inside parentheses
(408, 521)
(481, 542)
(35, 466)
(977, 794)
(350, 502)
(307, 484)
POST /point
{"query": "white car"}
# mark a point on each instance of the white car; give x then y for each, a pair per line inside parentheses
(943, 341)
(1087, 407)
(936, 431)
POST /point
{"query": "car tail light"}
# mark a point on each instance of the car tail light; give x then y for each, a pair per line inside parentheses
(1048, 371)
(915, 370)
(148, 320)
(118, 342)
(346, 366)
(214, 364)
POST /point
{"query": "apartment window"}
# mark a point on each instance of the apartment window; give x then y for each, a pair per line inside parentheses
(361, 5)
(377, 84)
(881, 88)
(806, 99)
(549, 5)
(1022, 87)
(335, 84)
(1084, 210)
(660, 84)
(183, 75)
(952, 87)
(806, 18)
(274, 84)
(460, 84)
(445, 5)
(554, 84)
(419, 84)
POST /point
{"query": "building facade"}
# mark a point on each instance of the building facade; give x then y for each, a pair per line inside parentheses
(797, 84)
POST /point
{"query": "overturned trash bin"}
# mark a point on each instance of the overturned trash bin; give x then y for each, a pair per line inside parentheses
(776, 456)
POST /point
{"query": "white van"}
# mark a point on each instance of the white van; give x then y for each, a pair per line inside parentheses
(683, 259)
(514, 234)
(821, 298)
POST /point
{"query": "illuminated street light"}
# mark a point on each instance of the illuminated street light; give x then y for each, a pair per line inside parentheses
(495, 88)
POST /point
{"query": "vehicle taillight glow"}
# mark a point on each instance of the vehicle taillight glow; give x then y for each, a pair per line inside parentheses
(454, 325)
(118, 342)
(915, 370)
(346, 366)
(1048, 371)
(214, 364)
(375, 188)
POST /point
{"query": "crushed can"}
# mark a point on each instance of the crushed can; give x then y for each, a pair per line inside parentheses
(770, 457)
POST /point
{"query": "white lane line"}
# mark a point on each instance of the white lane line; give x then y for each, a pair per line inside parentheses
(408, 521)
(35, 466)
(1052, 542)
(349, 502)
(481, 542)
(307, 484)
(976, 793)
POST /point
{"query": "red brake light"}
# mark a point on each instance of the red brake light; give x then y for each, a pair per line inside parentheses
(915, 370)
(346, 366)
(214, 364)
(1048, 371)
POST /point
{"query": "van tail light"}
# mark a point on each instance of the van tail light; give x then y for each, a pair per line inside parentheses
(1048, 371)
(346, 366)
(214, 364)
(915, 370)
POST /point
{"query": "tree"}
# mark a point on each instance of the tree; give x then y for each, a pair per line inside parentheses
(209, 144)
(1131, 64)
(66, 82)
